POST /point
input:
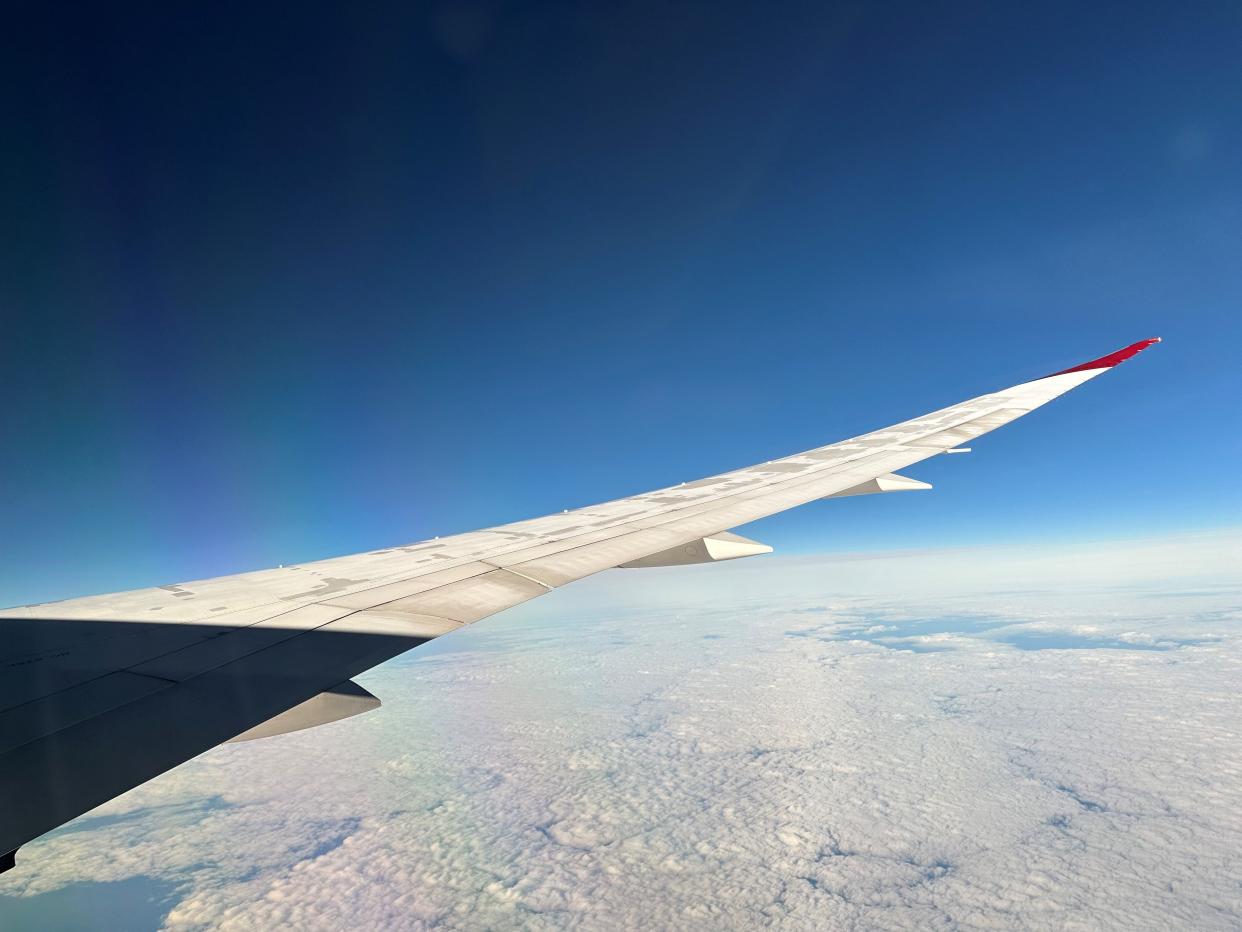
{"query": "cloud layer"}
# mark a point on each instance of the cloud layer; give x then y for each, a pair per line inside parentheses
(806, 749)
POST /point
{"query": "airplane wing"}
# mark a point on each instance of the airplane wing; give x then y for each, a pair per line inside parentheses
(100, 694)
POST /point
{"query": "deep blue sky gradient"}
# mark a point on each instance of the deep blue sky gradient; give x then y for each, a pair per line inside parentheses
(284, 283)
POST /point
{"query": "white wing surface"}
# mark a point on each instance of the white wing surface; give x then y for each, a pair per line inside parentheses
(100, 694)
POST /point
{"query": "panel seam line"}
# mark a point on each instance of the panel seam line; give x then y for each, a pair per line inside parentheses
(506, 569)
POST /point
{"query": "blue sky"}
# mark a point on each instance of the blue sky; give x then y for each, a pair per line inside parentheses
(285, 284)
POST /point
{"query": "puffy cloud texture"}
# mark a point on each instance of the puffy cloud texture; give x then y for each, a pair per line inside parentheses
(1022, 739)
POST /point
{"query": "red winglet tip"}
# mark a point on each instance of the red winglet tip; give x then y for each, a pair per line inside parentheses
(1112, 359)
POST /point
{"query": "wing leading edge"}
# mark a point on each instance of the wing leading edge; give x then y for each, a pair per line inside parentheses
(103, 693)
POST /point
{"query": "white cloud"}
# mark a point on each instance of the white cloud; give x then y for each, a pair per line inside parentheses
(761, 748)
